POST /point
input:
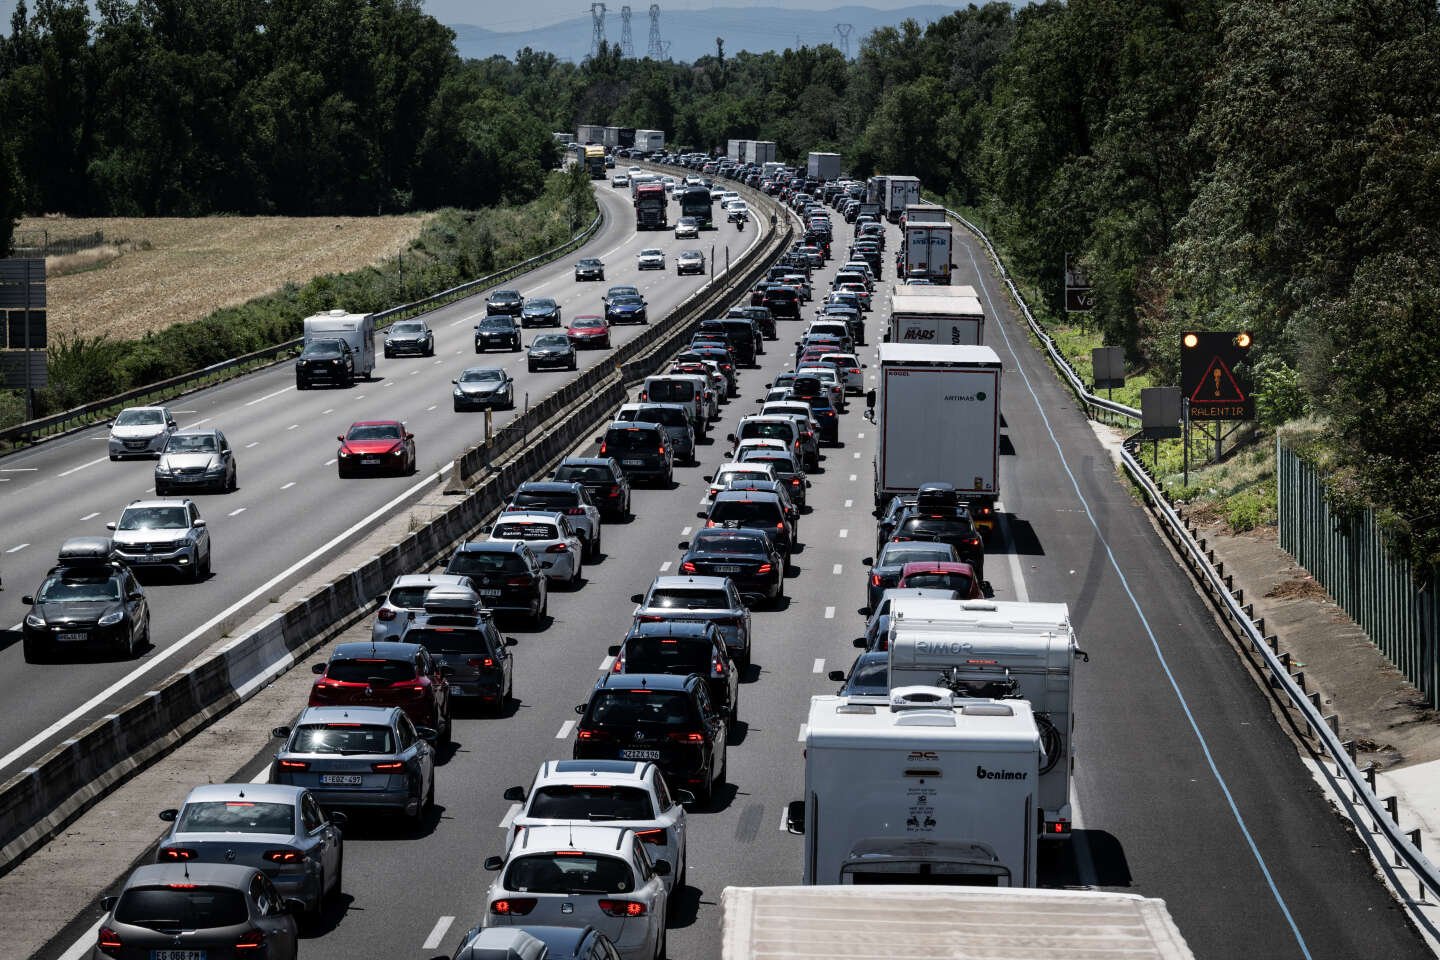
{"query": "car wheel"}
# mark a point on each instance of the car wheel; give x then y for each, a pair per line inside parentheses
(457, 406)
(735, 707)
(205, 570)
(660, 947)
(32, 652)
(538, 618)
(574, 364)
(531, 367)
(234, 480)
(516, 347)
(573, 583)
(389, 355)
(195, 571)
(445, 730)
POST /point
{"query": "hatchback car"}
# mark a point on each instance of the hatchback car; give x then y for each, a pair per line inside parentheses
(551, 350)
(551, 538)
(651, 258)
(478, 388)
(89, 599)
(141, 432)
(540, 312)
(163, 533)
(715, 599)
(590, 268)
(589, 332)
(626, 308)
(376, 446)
(505, 302)
(326, 360)
(603, 479)
(277, 829)
(358, 756)
(783, 302)
(196, 459)
(687, 228)
(533, 941)
(205, 910)
(784, 463)
(405, 600)
(733, 509)
(388, 674)
(506, 574)
(689, 261)
(959, 577)
(410, 336)
(568, 497)
(885, 569)
(482, 669)
(497, 330)
(950, 526)
(679, 648)
(642, 449)
(726, 472)
(746, 557)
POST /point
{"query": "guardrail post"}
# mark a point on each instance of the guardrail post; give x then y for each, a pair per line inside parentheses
(1332, 720)
(1272, 640)
(1392, 807)
(1299, 677)
(1260, 628)
(1369, 772)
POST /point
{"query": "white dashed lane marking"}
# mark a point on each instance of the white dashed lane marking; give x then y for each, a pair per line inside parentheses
(268, 396)
(836, 570)
(829, 613)
(509, 817)
(849, 504)
(431, 407)
(82, 467)
(288, 485)
(330, 462)
(17, 549)
(437, 934)
(819, 665)
(236, 512)
(90, 516)
(804, 729)
(665, 566)
(844, 533)
(606, 664)
(253, 443)
(292, 426)
(323, 412)
(565, 729)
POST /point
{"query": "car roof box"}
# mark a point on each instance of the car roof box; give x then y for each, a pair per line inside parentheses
(453, 599)
(934, 495)
(87, 551)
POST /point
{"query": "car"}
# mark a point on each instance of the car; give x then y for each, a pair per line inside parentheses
(551, 350)
(570, 498)
(745, 556)
(278, 829)
(877, 623)
(359, 756)
(535, 941)
(141, 432)
(504, 302)
(687, 228)
(735, 210)
(603, 479)
(851, 370)
(406, 599)
(540, 312)
(784, 462)
(860, 292)
(949, 525)
(195, 459)
(680, 648)
(621, 290)
(590, 268)
(830, 376)
(589, 332)
(593, 876)
(89, 599)
(325, 360)
(721, 478)
(956, 576)
(783, 302)
(692, 597)
(390, 674)
(762, 319)
(868, 676)
(817, 396)
(213, 909)
(642, 449)
(626, 308)
(497, 330)
(480, 387)
(376, 445)
(689, 261)
(552, 539)
(778, 487)
(885, 569)
(725, 359)
(673, 417)
(506, 573)
(163, 533)
(651, 258)
(620, 179)
(772, 427)
(410, 336)
(460, 634)
(631, 794)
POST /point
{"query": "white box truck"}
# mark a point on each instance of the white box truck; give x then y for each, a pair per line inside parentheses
(927, 251)
(823, 166)
(590, 133)
(771, 167)
(920, 786)
(651, 141)
(356, 329)
(927, 921)
(760, 151)
(734, 148)
(900, 192)
(927, 318)
(924, 213)
(1001, 649)
(938, 412)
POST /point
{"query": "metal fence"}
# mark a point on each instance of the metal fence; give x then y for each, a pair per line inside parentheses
(39, 243)
(1347, 555)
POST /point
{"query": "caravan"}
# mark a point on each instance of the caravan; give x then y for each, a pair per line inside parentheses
(356, 329)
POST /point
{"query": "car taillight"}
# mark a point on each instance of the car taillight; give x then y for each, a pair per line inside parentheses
(556, 548)
(414, 690)
(623, 908)
(711, 523)
(515, 906)
(387, 614)
(250, 940)
(602, 447)
(109, 939)
(480, 662)
(720, 667)
(649, 618)
(177, 853)
(294, 765)
(653, 837)
(687, 737)
(764, 568)
(614, 492)
(619, 666)
(594, 735)
(874, 579)
(687, 567)
(521, 581)
(574, 511)
(662, 448)
(794, 481)
(387, 766)
(284, 856)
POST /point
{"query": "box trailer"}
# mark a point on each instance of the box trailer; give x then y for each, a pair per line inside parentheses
(900, 192)
(927, 318)
(624, 136)
(734, 149)
(938, 412)
(875, 189)
(1002, 649)
(356, 329)
(924, 213)
(926, 251)
(928, 921)
(771, 167)
(919, 784)
(651, 141)
(564, 138)
(823, 166)
(590, 133)
(760, 151)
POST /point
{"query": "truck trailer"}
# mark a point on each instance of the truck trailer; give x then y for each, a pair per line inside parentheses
(900, 193)
(926, 318)
(823, 166)
(651, 141)
(926, 249)
(590, 133)
(759, 151)
(734, 149)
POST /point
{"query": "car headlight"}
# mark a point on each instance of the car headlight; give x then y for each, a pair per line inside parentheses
(162, 470)
(458, 392)
(344, 454)
(34, 620)
(215, 468)
(112, 618)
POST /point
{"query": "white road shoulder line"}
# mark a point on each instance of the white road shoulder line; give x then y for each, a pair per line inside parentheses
(17, 549)
(829, 613)
(83, 948)
(665, 566)
(236, 512)
(288, 485)
(436, 935)
(565, 729)
(836, 569)
(804, 729)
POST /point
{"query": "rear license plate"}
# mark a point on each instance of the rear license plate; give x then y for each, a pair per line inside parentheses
(488, 593)
(72, 637)
(727, 568)
(633, 463)
(640, 754)
(341, 779)
(177, 955)
(369, 459)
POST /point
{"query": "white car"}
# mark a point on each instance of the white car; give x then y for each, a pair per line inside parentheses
(141, 432)
(621, 793)
(163, 533)
(550, 537)
(851, 367)
(798, 281)
(831, 379)
(758, 443)
(651, 259)
(405, 600)
(686, 228)
(620, 180)
(591, 876)
(721, 478)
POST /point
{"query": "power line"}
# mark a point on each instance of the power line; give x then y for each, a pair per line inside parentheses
(627, 43)
(843, 30)
(657, 50)
(597, 19)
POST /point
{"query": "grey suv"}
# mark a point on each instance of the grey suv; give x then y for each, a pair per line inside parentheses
(195, 459)
(163, 533)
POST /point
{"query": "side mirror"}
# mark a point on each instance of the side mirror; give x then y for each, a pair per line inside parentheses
(637, 598)
(859, 642)
(294, 905)
(865, 611)
(599, 439)
(867, 561)
(699, 513)
(108, 903)
(428, 734)
(169, 815)
(515, 794)
(494, 863)
(511, 641)
(837, 675)
(28, 600)
(709, 478)
(380, 598)
(409, 436)
(731, 438)
(454, 381)
(613, 651)
(864, 366)
(340, 438)
(580, 708)
(795, 818)
(110, 525)
(662, 868)
(280, 733)
(338, 818)
(199, 524)
(684, 796)
(317, 668)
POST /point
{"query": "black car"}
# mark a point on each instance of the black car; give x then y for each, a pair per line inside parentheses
(590, 269)
(551, 350)
(410, 336)
(681, 647)
(482, 668)
(506, 575)
(497, 330)
(626, 308)
(642, 449)
(783, 302)
(869, 675)
(89, 600)
(886, 566)
(479, 387)
(504, 302)
(325, 361)
(725, 357)
(786, 466)
(746, 556)
(950, 526)
(540, 312)
(817, 395)
(602, 476)
(738, 335)
(756, 510)
(854, 320)
(762, 319)
(668, 720)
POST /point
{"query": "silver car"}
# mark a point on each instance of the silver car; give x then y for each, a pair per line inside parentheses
(194, 459)
(673, 417)
(141, 432)
(700, 598)
(651, 259)
(163, 533)
(279, 830)
(405, 600)
(690, 261)
(480, 387)
(551, 538)
(686, 228)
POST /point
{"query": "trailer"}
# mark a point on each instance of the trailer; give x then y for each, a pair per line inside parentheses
(900, 193)
(590, 133)
(823, 166)
(926, 251)
(734, 149)
(759, 151)
(926, 318)
(356, 329)
(650, 141)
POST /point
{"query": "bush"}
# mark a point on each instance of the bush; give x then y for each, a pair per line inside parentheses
(1278, 395)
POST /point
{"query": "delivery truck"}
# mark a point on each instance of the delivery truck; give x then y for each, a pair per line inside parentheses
(590, 133)
(823, 166)
(926, 251)
(875, 189)
(929, 921)
(759, 151)
(651, 205)
(919, 786)
(734, 149)
(1004, 649)
(900, 193)
(651, 141)
(356, 329)
(926, 318)
(923, 213)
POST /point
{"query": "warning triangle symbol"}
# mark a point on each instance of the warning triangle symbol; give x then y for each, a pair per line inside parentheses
(1218, 385)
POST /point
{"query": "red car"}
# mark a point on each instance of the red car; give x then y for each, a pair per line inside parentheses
(386, 674)
(381, 446)
(589, 332)
(959, 577)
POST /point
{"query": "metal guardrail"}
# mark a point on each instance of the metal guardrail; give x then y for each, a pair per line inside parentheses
(97, 411)
(1231, 603)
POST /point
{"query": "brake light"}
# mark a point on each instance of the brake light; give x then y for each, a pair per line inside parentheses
(250, 940)
(874, 579)
(109, 939)
(780, 525)
(654, 837)
(720, 667)
(480, 662)
(294, 765)
(414, 690)
(602, 442)
(614, 492)
(649, 618)
(521, 581)
(794, 481)
(687, 737)
(623, 908)
(711, 523)
(688, 567)
(619, 666)
(514, 906)
(662, 448)
(556, 548)
(177, 853)
(575, 511)
(284, 856)
(387, 614)
(593, 735)
(764, 568)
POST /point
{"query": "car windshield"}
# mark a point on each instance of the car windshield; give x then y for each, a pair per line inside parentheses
(550, 340)
(318, 348)
(409, 326)
(626, 708)
(933, 527)
(870, 675)
(652, 252)
(568, 873)
(687, 598)
(236, 816)
(449, 640)
(585, 473)
(614, 292)
(482, 375)
(497, 322)
(182, 908)
(375, 431)
(540, 303)
(624, 300)
(678, 655)
(468, 562)
(525, 530)
(154, 518)
(79, 590)
(343, 738)
(201, 443)
(781, 464)
(716, 542)
(956, 581)
(687, 221)
(590, 263)
(370, 670)
(690, 255)
(563, 801)
(139, 418)
(745, 513)
(409, 598)
(899, 554)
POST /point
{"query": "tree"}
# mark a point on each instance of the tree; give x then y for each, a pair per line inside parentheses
(12, 193)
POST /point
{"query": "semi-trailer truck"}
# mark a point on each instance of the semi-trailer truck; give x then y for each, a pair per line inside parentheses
(899, 194)
(927, 245)
(595, 161)
(651, 205)
(926, 318)
(759, 151)
(823, 166)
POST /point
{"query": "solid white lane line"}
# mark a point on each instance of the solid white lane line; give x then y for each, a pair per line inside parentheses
(849, 504)
(288, 485)
(253, 443)
(17, 549)
(268, 396)
(665, 566)
(331, 462)
(358, 396)
(19, 469)
(236, 512)
(437, 934)
(819, 665)
(391, 383)
(804, 729)
(836, 570)
(1012, 559)
(510, 816)
(263, 776)
(90, 516)
(198, 422)
(844, 533)
(829, 613)
(785, 819)
(606, 664)
(565, 729)
(83, 948)
(82, 467)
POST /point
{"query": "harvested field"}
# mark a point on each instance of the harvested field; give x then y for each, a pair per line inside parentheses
(177, 269)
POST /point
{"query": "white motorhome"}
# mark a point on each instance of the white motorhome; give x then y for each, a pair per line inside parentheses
(921, 784)
(1002, 649)
(356, 329)
(927, 318)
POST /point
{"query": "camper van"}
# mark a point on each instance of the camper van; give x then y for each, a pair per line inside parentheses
(356, 329)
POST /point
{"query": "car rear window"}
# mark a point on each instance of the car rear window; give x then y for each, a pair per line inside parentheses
(450, 639)
(237, 816)
(628, 708)
(585, 474)
(627, 441)
(470, 562)
(745, 513)
(780, 293)
(781, 464)
(526, 530)
(568, 873)
(933, 527)
(915, 552)
(677, 655)
(370, 670)
(776, 431)
(192, 908)
(599, 802)
(670, 391)
(958, 582)
(343, 738)
(688, 598)
(547, 498)
(724, 541)
(662, 415)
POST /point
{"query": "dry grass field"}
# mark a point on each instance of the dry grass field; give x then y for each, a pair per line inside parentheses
(156, 272)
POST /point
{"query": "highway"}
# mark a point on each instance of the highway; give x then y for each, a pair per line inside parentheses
(290, 505)
(1185, 786)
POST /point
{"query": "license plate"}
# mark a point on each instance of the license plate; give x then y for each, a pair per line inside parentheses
(341, 779)
(177, 955)
(369, 459)
(72, 637)
(142, 559)
(633, 463)
(727, 568)
(488, 593)
(640, 754)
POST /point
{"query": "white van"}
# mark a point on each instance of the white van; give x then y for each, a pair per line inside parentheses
(356, 329)
(686, 389)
